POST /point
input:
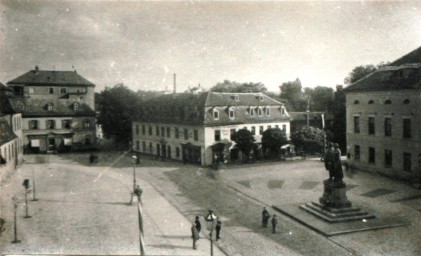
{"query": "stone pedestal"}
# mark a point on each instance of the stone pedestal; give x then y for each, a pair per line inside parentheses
(334, 195)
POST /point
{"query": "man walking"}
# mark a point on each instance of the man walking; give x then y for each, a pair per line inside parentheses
(194, 236)
(274, 223)
(218, 229)
(198, 226)
(265, 217)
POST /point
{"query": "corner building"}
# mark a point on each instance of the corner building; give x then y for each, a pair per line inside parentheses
(383, 116)
(195, 127)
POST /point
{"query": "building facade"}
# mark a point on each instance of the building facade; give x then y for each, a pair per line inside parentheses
(193, 127)
(57, 110)
(383, 116)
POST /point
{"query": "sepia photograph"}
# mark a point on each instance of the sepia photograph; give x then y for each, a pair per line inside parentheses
(221, 128)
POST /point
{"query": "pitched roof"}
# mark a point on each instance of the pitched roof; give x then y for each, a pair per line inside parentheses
(229, 99)
(6, 108)
(50, 77)
(5, 88)
(6, 132)
(61, 107)
(412, 57)
(301, 116)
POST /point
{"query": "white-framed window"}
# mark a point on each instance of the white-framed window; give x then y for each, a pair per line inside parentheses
(50, 106)
(63, 90)
(51, 90)
(283, 110)
(260, 111)
(31, 90)
(268, 111)
(252, 111)
(75, 106)
(86, 123)
(215, 114)
(231, 113)
(236, 98)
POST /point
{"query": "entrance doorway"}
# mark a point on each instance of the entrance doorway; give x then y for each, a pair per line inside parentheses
(51, 144)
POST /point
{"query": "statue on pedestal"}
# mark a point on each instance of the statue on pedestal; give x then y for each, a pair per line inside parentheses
(333, 163)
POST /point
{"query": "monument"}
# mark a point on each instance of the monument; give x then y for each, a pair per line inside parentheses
(334, 205)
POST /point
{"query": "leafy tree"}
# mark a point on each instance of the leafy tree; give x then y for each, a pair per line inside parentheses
(309, 139)
(272, 140)
(244, 140)
(117, 108)
(338, 126)
(293, 96)
(321, 98)
(232, 86)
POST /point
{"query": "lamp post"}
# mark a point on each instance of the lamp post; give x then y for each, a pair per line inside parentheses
(210, 221)
(134, 159)
(26, 185)
(33, 186)
(138, 192)
(15, 205)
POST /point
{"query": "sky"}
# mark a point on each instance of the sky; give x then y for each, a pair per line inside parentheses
(142, 44)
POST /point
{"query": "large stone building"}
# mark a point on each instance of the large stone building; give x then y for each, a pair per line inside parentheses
(195, 127)
(57, 110)
(383, 115)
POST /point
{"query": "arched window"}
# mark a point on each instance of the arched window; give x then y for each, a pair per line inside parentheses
(371, 102)
(406, 101)
(356, 102)
(388, 102)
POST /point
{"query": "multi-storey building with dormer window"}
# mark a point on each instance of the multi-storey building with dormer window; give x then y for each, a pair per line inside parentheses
(190, 127)
(57, 109)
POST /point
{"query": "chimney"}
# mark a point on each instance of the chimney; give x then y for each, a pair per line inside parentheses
(175, 84)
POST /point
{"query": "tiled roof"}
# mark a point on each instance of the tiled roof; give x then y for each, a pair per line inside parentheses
(244, 99)
(61, 107)
(412, 57)
(48, 77)
(6, 132)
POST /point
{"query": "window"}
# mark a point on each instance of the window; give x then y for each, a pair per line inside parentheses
(260, 130)
(163, 131)
(371, 155)
(157, 131)
(268, 111)
(31, 90)
(356, 102)
(150, 147)
(63, 90)
(371, 102)
(196, 135)
(87, 139)
(143, 129)
(168, 132)
(186, 134)
(357, 152)
(144, 146)
(51, 124)
(406, 128)
(50, 106)
(260, 111)
(388, 102)
(282, 110)
(236, 98)
(86, 123)
(253, 130)
(277, 126)
(284, 127)
(169, 151)
(252, 111)
(261, 98)
(215, 114)
(75, 106)
(388, 127)
(371, 127)
(388, 158)
(406, 101)
(407, 162)
(137, 145)
(33, 124)
(177, 133)
(137, 129)
(67, 124)
(150, 130)
(217, 135)
(232, 134)
(177, 152)
(51, 90)
(231, 113)
(356, 124)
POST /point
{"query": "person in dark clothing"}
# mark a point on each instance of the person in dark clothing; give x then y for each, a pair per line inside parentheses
(274, 223)
(218, 229)
(194, 236)
(265, 217)
(198, 225)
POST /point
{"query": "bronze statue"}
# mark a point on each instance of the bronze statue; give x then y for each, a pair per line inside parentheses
(333, 163)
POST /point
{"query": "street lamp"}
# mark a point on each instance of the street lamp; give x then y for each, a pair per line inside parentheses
(33, 186)
(138, 192)
(134, 160)
(210, 221)
(15, 204)
(26, 185)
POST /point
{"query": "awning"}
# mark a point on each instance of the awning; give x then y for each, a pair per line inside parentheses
(67, 142)
(34, 143)
(286, 146)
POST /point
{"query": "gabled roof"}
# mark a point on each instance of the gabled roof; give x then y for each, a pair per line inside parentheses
(50, 77)
(6, 132)
(61, 107)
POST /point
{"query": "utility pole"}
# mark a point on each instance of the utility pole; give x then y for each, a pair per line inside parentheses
(138, 192)
(33, 186)
(15, 205)
(26, 185)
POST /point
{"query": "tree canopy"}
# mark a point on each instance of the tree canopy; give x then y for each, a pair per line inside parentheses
(244, 140)
(361, 71)
(232, 86)
(273, 139)
(293, 96)
(309, 139)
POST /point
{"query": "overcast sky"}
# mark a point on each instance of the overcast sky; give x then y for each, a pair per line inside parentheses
(143, 43)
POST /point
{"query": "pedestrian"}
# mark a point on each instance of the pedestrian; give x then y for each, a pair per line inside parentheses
(198, 225)
(218, 229)
(265, 217)
(194, 236)
(274, 223)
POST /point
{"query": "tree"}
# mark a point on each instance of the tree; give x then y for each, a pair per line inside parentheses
(338, 125)
(272, 140)
(293, 96)
(321, 98)
(232, 86)
(244, 140)
(117, 108)
(361, 71)
(309, 139)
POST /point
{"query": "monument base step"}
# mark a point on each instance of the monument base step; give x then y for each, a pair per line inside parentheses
(335, 215)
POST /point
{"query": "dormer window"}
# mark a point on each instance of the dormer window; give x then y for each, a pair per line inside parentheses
(50, 106)
(268, 111)
(388, 102)
(236, 98)
(252, 111)
(75, 106)
(231, 113)
(261, 98)
(215, 114)
(283, 110)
